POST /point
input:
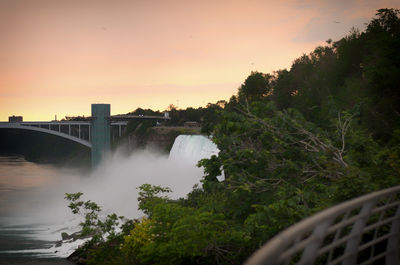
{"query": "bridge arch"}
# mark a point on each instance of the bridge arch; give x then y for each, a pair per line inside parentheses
(48, 131)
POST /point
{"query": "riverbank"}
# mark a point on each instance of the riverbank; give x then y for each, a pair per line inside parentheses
(55, 261)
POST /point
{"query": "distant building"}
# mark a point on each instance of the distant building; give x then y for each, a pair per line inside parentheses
(14, 118)
(166, 114)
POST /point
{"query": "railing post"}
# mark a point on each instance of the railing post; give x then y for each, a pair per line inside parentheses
(318, 235)
(393, 241)
(356, 234)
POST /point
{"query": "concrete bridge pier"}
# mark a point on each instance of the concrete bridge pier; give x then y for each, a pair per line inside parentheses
(101, 132)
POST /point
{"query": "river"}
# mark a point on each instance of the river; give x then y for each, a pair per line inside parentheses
(33, 212)
(21, 229)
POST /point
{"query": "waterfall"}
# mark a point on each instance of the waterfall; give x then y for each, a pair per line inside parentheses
(192, 148)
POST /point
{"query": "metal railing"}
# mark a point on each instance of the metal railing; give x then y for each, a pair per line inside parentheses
(365, 230)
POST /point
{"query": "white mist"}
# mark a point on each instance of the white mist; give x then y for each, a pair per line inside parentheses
(113, 185)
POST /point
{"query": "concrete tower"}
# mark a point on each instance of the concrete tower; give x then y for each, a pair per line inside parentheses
(100, 132)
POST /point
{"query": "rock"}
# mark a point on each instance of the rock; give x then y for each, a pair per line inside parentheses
(74, 257)
(65, 236)
(77, 258)
(74, 236)
(158, 137)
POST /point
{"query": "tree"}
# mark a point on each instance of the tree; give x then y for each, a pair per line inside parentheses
(381, 70)
(177, 234)
(387, 21)
(106, 234)
(93, 226)
(255, 87)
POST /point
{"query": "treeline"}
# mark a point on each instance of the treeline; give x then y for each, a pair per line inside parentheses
(180, 116)
(291, 143)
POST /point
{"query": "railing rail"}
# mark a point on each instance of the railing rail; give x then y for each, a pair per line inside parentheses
(365, 230)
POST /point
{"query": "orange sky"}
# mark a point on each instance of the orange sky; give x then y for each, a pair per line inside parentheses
(59, 56)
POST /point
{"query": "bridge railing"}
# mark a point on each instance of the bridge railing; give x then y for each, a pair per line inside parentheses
(365, 230)
(73, 130)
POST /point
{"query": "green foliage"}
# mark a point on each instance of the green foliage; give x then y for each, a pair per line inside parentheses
(210, 117)
(103, 246)
(180, 116)
(92, 225)
(148, 197)
(139, 127)
(255, 87)
(361, 69)
(176, 234)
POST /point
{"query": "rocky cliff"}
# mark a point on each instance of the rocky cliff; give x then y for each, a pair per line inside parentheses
(159, 137)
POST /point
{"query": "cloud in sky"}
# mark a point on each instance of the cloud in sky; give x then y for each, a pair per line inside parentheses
(333, 19)
(148, 53)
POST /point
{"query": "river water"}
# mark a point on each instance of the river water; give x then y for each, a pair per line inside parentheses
(33, 212)
(21, 229)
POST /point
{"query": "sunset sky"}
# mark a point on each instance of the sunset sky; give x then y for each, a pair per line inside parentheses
(59, 56)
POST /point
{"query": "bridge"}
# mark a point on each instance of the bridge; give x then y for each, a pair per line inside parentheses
(95, 133)
(77, 131)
